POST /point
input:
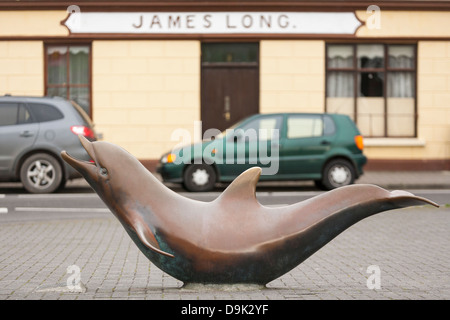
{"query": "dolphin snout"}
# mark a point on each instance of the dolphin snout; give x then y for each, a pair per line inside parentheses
(81, 164)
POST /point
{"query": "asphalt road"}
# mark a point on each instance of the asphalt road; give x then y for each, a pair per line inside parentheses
(80, 203)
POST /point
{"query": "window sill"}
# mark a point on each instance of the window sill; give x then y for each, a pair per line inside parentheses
(393, 142)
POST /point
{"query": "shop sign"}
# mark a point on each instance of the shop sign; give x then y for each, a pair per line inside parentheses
(213, 22)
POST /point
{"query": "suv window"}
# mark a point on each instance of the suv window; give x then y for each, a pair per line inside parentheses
(45, 112)
(14, 113)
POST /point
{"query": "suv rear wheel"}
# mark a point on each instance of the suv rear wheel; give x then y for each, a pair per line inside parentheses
(41, 173)
(338, 173)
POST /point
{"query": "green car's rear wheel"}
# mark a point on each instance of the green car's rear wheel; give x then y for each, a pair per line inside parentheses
(338, 173)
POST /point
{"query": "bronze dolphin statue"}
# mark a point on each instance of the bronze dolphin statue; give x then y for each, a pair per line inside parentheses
(233, 239)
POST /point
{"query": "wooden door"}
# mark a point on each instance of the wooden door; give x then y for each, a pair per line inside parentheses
(229, 88)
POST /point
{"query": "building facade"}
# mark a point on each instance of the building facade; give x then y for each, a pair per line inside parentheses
(143, 69)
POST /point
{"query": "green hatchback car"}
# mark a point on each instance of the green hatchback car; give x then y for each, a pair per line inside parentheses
(326, 148)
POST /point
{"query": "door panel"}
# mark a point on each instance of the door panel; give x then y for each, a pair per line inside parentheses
(254, 143)
(229, 83)
(17, 133)
(228, 95)
(304, 146)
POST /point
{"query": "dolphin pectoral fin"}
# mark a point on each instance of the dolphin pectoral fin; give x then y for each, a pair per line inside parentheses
(243, 187)
(148, 239)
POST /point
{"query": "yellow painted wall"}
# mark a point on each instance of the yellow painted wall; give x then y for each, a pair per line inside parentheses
(434, 97)
(33, 23)
(292, 76)
(21, 67)
(405, 24)
(143, 91)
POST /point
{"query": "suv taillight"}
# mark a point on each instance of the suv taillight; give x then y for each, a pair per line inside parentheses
(359, 142)
(83, 130)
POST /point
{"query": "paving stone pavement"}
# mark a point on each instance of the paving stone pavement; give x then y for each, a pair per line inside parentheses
(408, 246)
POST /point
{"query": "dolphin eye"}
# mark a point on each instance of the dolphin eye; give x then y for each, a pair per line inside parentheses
(103, 171)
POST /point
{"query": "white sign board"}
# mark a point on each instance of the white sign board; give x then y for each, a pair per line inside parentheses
(213, 22)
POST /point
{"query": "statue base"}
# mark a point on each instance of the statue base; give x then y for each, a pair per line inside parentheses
(222, 287)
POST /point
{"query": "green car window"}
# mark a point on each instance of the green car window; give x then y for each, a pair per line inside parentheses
(304, 126)
(263, 127)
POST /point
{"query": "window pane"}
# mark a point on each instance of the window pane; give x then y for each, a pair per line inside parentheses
(342, 105)
(57, 65)
(401, 56)
(340, 84)
(400, 84)
(79, 64)
(8, 113)
(340, 56)
(401, 117)
(400, 104)
(370, 56)
(57, 92)
(340, 93)
(230, 52)
(370, 84)
(68, 70)
(304, 126)
(370, 117)
(81, 97)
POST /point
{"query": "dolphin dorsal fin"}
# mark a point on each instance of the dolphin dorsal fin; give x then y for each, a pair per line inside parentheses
(243, 187)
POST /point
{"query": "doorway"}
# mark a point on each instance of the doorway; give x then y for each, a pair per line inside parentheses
(229, 83)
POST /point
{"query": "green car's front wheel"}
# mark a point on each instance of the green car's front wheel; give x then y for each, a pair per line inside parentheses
(199, 177)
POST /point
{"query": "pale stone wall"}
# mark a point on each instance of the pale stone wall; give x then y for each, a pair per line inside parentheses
(406, 24)
(143, 91)
(22, 62)
(33, 23)
(22, 68)
(292, 76)
(433, 104)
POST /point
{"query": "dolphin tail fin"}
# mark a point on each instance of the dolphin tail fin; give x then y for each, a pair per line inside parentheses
(147, 238)
(406, 199)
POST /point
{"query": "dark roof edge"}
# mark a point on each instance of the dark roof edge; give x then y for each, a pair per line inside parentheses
(257, 5)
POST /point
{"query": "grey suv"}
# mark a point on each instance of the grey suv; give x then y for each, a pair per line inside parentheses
(33, 132)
